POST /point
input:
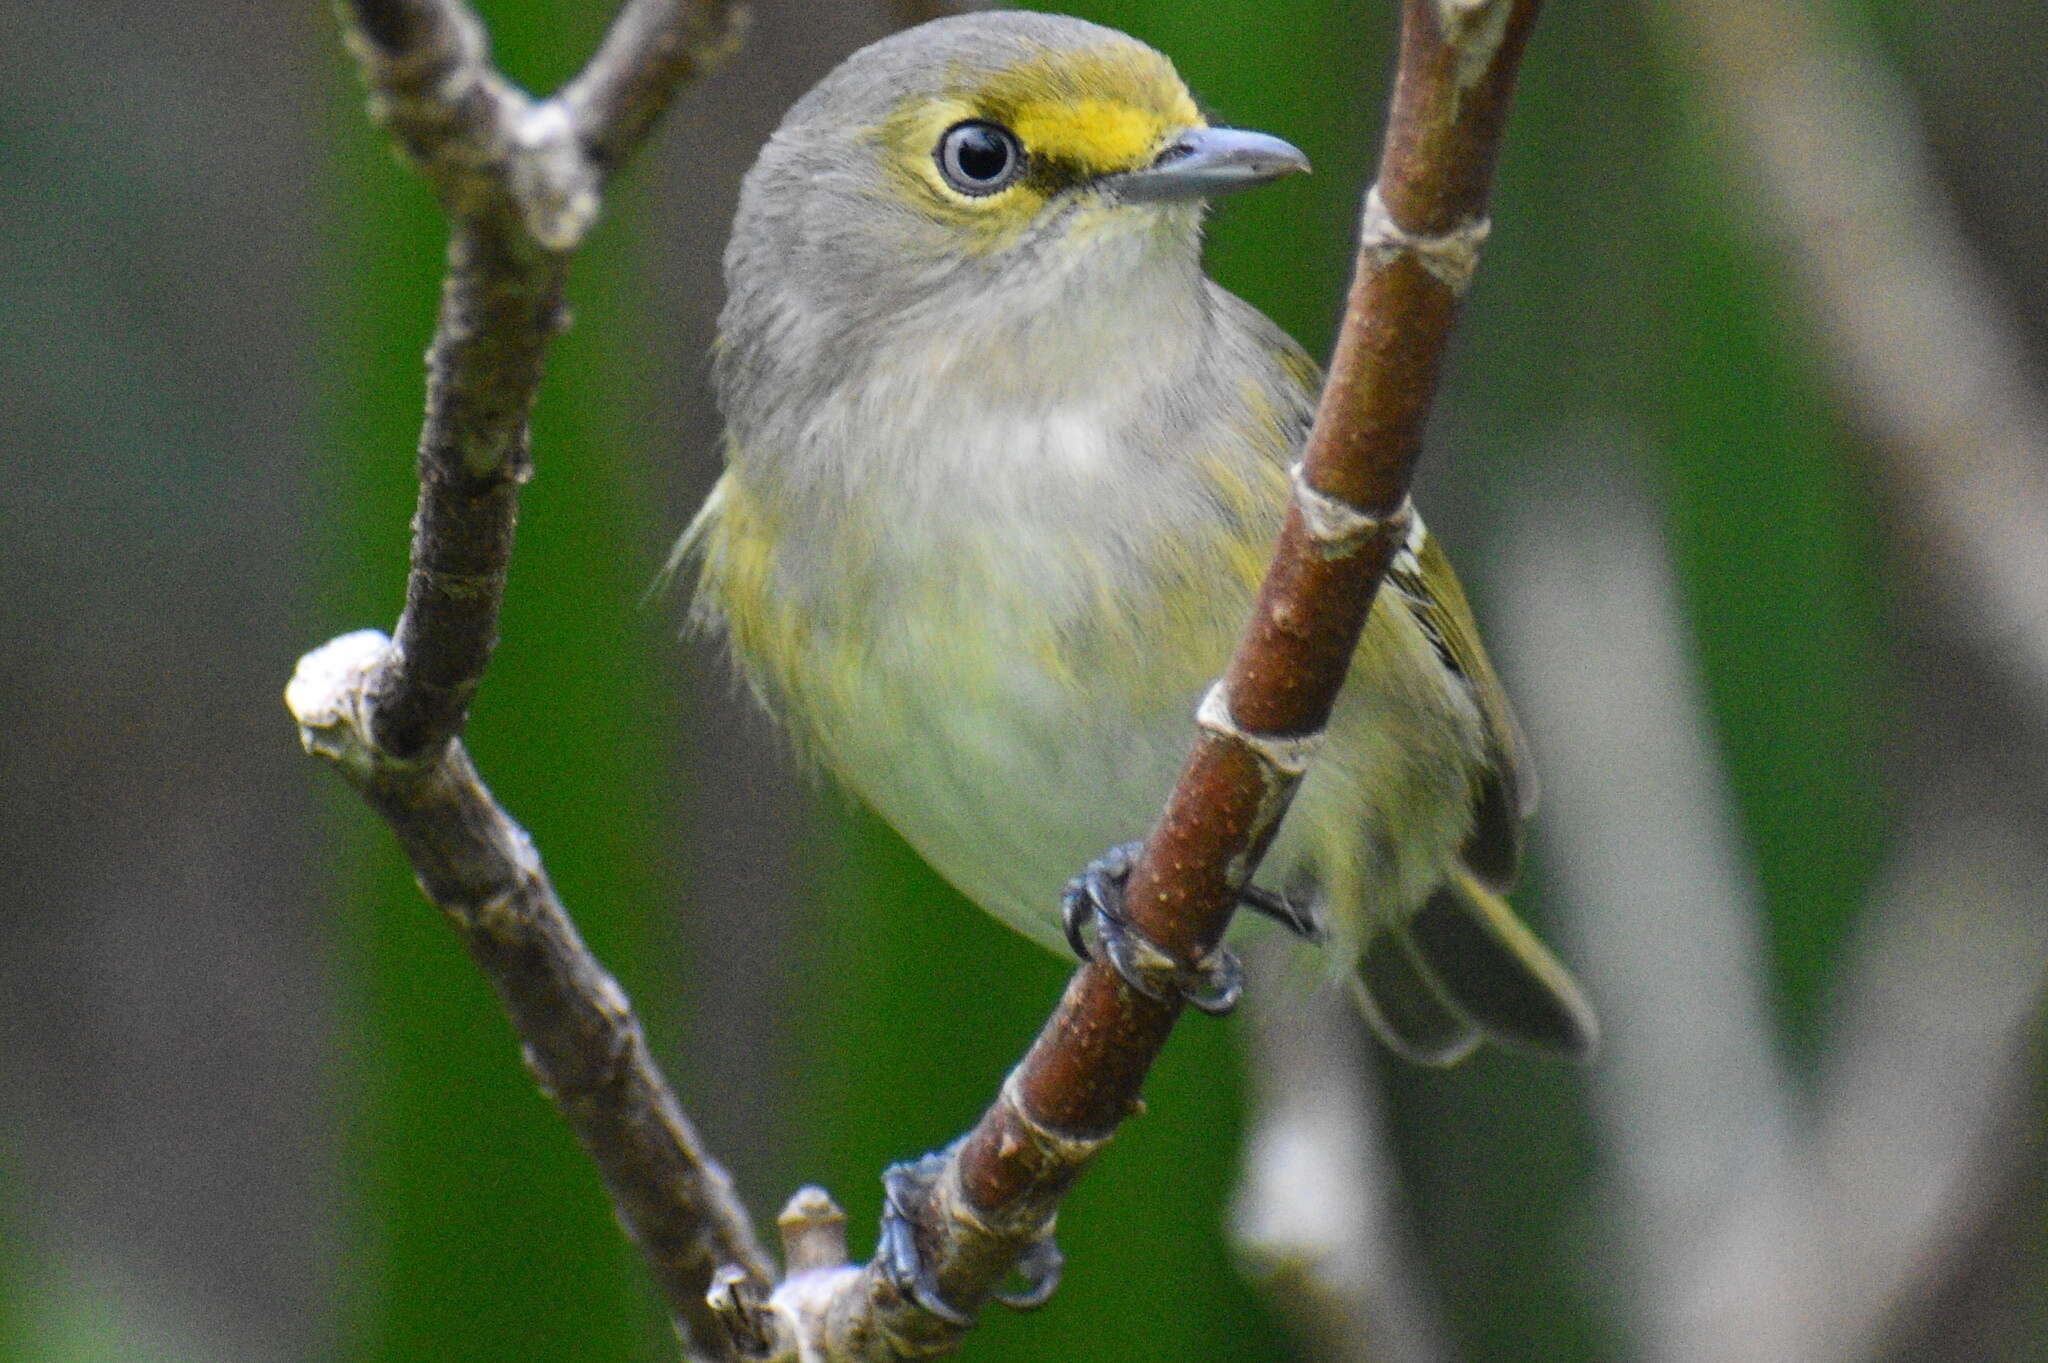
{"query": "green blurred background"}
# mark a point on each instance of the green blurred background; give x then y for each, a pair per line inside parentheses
(253, 1102)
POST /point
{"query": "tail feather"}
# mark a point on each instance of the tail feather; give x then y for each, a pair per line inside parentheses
(1405, 1008)
(1466, 969)
(1492, 969)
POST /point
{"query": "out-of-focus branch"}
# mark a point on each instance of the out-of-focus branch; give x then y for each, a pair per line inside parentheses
(1926, 1062)
(519, 180)
(1315, 1218)
(1919, 340)
(1758, 1229)
(1925, 1097)
(1664, 920)
(995, 1192)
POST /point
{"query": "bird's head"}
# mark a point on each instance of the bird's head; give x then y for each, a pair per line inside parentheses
(986, 166)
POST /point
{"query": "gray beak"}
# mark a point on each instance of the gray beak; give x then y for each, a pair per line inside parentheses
(1204, 162)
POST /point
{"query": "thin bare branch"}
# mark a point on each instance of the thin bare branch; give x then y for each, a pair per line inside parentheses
(520, 181)
(521, 190)
(582, 1041)
(652, 47)
(996, 1191)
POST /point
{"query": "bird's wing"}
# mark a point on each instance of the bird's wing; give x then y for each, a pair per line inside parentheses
(1423, 576)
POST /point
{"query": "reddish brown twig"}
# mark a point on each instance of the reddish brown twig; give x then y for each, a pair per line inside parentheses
(1000, 1185)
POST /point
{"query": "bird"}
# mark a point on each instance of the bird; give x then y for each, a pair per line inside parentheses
(1003, 471)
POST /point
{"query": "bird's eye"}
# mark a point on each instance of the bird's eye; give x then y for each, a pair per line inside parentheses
(979, 158)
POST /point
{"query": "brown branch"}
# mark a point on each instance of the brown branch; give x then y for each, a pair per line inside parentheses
(997, 1190)
(582, 1041)
(519, 180)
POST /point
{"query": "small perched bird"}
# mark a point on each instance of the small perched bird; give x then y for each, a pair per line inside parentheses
(1004, 470)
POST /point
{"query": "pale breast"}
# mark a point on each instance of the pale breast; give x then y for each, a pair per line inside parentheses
(995, 623)
(1013, 691)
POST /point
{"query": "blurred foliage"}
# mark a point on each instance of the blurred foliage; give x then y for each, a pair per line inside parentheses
(67, 1320)
(14, 1268)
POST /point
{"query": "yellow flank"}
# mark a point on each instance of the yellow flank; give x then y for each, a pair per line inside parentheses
(1303, 370)
(734, 541)
(1252, 492)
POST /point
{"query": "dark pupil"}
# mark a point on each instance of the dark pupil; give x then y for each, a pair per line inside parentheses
(980, 153)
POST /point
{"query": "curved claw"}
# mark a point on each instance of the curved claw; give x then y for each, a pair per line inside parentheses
(1040, 1268)
(1137, 958)
(1218, 983)
(1096, 894)
(1297, 919)
(1077, 907)
(1212, 985)
(902, 1186)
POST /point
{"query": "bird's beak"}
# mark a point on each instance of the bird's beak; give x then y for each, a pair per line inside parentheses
(1204, 162)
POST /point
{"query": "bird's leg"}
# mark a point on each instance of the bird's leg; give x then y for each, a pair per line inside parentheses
(907, 1186)
(1213, 984)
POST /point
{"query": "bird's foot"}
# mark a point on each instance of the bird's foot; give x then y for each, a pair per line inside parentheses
(904, 1188)
(1213, 984)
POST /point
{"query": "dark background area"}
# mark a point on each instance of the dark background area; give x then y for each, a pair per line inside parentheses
(255, 1106)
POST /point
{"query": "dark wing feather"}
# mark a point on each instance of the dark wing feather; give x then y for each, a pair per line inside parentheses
(1506, 789)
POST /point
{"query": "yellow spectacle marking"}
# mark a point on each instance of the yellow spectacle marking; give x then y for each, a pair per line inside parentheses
(1104, 109)
(1097, 135)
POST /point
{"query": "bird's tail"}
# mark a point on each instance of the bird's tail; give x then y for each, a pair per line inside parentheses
(1464, 970)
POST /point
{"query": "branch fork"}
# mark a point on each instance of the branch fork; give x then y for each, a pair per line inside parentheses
(520, 181)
